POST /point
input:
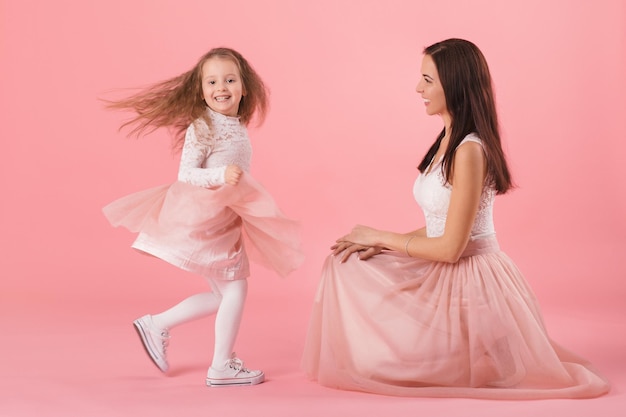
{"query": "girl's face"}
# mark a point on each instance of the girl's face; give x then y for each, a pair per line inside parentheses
(431, 89)
(222, 87)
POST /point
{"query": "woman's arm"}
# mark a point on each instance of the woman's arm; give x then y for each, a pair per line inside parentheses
(468, 176)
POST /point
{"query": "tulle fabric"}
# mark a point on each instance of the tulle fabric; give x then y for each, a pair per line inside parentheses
(403, 326)
(210, 231)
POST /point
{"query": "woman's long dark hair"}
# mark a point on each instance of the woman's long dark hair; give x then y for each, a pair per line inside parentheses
(466, 83)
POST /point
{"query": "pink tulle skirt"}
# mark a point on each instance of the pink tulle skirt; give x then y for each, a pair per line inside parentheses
(403, 326)
(210, 231)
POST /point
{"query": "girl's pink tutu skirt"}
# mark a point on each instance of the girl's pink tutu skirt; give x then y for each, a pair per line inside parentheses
(404, 326)
(210, 231)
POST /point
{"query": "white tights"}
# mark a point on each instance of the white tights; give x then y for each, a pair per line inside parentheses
(227, 300)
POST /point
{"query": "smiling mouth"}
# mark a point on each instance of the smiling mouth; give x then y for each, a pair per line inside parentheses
(222, 98)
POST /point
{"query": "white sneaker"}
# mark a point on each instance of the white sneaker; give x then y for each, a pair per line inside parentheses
(154, 340)
(234, 373)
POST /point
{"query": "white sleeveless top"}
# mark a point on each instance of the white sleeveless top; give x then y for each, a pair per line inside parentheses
(432, 193)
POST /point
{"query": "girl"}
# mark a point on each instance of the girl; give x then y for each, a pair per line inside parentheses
(441, 311)
(196, 223)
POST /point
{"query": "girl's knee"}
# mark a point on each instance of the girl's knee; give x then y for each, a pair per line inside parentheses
(237, 288)
(229, 288)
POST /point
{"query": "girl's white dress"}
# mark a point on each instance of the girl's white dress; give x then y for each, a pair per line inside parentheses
(201, 224)
(405, 326)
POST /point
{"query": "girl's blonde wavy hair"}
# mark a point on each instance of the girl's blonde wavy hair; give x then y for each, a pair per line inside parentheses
(177, 102)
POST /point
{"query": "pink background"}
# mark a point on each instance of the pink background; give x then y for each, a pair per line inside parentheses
(344, 134)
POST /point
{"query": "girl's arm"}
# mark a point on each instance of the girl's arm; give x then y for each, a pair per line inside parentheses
(194, 154)
(468, 176)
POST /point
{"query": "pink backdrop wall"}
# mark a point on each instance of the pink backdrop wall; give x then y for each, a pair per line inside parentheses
(340, 145)
(345, 131)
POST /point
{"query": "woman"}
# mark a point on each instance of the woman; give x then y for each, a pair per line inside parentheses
(441, 311)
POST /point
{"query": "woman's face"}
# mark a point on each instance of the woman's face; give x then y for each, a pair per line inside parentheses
(431, 90)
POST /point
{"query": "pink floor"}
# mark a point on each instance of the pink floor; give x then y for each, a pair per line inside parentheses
(62, 357)
(340, 146)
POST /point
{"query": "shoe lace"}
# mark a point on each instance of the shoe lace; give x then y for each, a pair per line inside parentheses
(236, 364)
(165, 339)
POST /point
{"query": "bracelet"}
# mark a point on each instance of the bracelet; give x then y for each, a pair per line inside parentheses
(406, 245)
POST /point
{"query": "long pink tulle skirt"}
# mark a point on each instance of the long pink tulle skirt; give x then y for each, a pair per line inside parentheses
(403, 326)
(210, 231)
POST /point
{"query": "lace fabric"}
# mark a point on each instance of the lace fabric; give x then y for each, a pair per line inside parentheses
(208, 150)
(432, 193)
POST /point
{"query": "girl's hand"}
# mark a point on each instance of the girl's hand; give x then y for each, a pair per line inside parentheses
(232, 175)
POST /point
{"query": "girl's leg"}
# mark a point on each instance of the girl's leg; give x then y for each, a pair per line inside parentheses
(154, 330)
(225, 368)
(228, 317)
(191, 308)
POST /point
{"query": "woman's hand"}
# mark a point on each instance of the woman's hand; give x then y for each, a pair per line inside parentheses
(232, 175)
(363, 235)
(361, 240)
(347, 248)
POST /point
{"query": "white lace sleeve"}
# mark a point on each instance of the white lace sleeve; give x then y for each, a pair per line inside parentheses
(195, 153)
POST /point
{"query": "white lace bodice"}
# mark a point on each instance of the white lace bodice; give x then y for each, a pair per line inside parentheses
(433, 195)
(209, 150)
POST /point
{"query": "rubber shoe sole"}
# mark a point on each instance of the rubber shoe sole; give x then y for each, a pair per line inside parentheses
(233, 382)
(144, 342)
